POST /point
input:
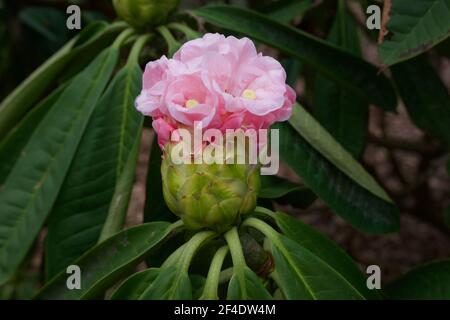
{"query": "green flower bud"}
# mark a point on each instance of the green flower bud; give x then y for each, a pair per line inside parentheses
(141, 13)
(212, 196)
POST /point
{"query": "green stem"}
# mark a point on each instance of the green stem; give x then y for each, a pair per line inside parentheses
(188, 32)
(177, 225)
(213, 278)
(118, 25)
(184, 254)
(237, 255)
(265, 211)
(172, 44)
(260, 225)
(133, 58)
(122, 37)
(225, 275)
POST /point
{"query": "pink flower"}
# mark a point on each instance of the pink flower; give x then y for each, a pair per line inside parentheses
(220, 81)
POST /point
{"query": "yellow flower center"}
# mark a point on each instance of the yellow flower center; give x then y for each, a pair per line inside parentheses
(249, 94)
(191, 103)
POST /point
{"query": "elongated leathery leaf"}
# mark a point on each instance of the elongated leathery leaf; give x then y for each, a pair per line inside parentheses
(284, 191)
(300, 273)
(31, 188)
(334, 175)
(425, 96)
(107, 262)
(28, 92)
(427, 282)
(135, 285)
(155, 205)
(350, 72)
(414, 28)
(122, 192)
(173, 282)
(324, 248)
(12, 146)
(82, 206)
(344, 115)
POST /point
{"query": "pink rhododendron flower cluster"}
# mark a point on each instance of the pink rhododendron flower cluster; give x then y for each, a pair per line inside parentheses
(219, 81)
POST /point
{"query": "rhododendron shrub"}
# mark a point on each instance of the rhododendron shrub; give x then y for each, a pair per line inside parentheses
(216, 94)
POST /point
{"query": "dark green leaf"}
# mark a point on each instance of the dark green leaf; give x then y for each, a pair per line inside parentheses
(357, 76)
(246, 285)
(286, 10)
(284, 191)
(339, 111)
(425, 96)
(273, 187)
(301, 274)
(83, 203)
(293, 68)
(155, 205)
(46, 21)
(414, 28)
(133, 287)
(333, 175)
(28, 92)
(428, 282)
(12, 146)
(32, 186)
(172, 283)
(326, 250)
(108, 261)
(122, 192)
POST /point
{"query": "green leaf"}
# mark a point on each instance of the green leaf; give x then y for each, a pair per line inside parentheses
(300, 273)
(108, 261)
(12, 146)
(46, 21)
(293, 68)
(117, 212)
(155, 206)
(286, 10)
(246, 285)
(172, 283)
(356, 75)
(414, 28)
(428, 282)
(86, 196)
(425, 96)
(338, 110)
(210, 291)
(284, 191)
(133, 287)
(334, 176)
(326, 250)
(31, 188)
(273, 187)
(30, 90)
